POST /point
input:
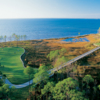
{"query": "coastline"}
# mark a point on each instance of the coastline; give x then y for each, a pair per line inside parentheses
(52, 38)
(54, 42)
(62, 37)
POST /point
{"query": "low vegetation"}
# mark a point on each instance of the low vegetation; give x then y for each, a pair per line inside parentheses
(78, 81)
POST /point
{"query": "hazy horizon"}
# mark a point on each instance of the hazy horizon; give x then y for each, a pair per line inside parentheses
(49, 18)
(71, 9)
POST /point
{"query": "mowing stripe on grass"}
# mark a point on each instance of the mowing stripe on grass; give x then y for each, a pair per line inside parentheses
(13, 66)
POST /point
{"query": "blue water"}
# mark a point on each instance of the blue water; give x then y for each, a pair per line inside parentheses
(48, 28)
(76, 40)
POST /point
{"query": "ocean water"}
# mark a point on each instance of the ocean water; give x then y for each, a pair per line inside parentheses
(48, 28)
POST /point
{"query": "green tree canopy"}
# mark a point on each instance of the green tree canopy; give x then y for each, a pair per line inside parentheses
(53, 54)
(62, 87)
(76, 95)
(28, 70)
(60, 61)
(63, 51)
(7, 92)
(99, 87)
(56, 54)
(41, 75)
(88, 79)
(0, 73)
(47, 88)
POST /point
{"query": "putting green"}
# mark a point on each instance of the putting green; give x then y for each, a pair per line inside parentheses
(13, 66)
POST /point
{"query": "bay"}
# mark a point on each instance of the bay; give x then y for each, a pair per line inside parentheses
(48, 28)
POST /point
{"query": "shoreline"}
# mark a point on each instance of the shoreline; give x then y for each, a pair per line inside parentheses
(58, 42)
(54, 38)
(62, 37)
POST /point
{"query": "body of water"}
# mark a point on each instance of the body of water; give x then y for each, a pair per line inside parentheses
(48, 28)
(76, 40)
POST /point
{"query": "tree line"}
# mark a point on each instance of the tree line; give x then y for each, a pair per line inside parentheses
(65, 89)
(13, 37)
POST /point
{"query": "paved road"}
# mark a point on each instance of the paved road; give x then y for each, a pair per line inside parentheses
(53, 70)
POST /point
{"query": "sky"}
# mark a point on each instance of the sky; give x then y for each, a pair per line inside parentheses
(49, 9)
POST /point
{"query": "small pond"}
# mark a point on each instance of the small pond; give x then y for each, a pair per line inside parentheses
(77, 40)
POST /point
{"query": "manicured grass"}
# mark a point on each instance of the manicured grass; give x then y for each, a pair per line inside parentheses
(97, 44)
(13, 67)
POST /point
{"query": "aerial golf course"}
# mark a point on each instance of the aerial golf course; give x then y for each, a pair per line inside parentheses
(12, 66)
